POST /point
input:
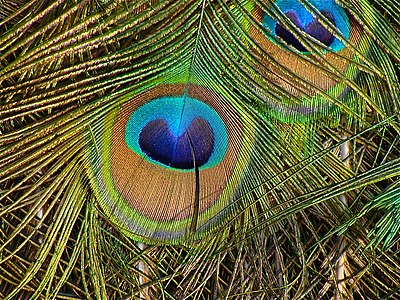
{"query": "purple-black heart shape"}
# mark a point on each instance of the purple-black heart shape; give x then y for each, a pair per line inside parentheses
(160, 144)
(314, 29)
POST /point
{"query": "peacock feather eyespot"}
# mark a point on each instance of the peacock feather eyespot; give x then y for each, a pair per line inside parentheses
(310, 23)
(169, 160)
(313, 85)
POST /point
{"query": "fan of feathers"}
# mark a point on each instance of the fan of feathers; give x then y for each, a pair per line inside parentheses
(199, 149)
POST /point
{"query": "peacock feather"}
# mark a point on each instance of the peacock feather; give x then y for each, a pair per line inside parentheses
(190, 138)
(200, 149)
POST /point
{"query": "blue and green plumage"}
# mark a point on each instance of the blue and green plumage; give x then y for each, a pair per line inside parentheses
(307, 19)
(168, 129)
(191, 139)
(331, 46)
(235, 138)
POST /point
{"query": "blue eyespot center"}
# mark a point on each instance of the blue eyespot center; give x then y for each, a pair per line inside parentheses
(195, 146)
(310, 23)
(314, 29)
(177, 132)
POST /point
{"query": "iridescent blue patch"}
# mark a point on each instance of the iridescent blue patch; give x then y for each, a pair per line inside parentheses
(177, 132)
(305, 21)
